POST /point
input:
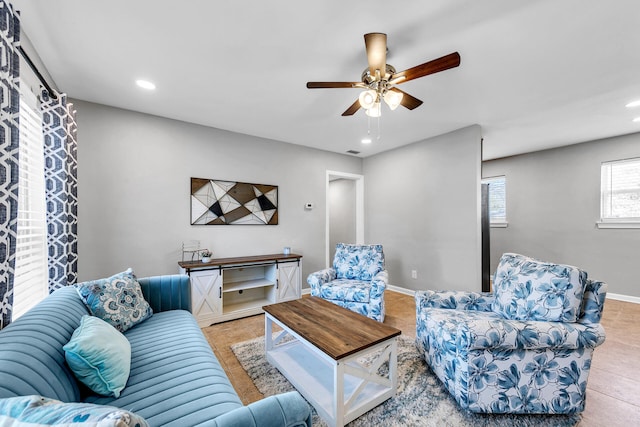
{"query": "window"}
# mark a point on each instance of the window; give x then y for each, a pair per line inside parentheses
(30, 279)
(497, 200)
(620, 194)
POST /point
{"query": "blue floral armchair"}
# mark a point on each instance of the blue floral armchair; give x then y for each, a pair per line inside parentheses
(526, 348)
(356, 281)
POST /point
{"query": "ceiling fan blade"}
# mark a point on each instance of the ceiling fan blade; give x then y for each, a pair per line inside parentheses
(444, 63)
(330, 85)
(408, 101)
(376, 45)
(352, 110)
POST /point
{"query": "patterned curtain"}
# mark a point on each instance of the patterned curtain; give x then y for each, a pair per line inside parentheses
(61, 189)
(9, 126)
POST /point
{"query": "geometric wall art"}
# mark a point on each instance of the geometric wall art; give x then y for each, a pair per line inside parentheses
(215, 202)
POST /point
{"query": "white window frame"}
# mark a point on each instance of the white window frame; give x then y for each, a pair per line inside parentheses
(31, 270)
(607, 219)
(502, 221)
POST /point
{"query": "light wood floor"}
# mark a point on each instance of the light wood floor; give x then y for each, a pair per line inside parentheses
(613, 391)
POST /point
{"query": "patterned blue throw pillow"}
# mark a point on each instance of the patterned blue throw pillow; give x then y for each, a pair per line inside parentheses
(117, 300)
(528, 289)
(38, 411)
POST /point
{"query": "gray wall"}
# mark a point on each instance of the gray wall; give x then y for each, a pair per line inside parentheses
(134, 206)
(553, 203)
(342, 213)
(422, 202)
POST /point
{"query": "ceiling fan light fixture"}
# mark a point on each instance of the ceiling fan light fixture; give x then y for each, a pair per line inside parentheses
(393, 99)
(368, 99)
(374, 111)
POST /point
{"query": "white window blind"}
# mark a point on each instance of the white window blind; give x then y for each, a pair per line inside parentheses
(30, 282)
(620, 190)
(497, 199)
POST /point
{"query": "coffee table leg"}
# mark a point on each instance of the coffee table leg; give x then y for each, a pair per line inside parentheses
(268, 333)
(338, 393)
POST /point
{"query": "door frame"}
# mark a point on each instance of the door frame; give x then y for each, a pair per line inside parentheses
(359, 181)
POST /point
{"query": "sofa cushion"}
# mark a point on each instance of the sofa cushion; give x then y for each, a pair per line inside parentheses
(528, 289)
(175, 378)
(359, 262)
(117, 300)
(31, 356)
(36, 411)
(99, 355)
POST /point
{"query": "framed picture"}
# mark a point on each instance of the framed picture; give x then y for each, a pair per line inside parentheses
(216, 202)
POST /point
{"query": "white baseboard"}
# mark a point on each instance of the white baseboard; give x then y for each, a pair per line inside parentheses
(400, 290)
(306, 291)
(626, 298)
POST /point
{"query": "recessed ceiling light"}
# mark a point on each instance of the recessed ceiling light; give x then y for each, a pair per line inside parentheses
(637, 119)
(145, 84)
(366, 140)
(633, 104)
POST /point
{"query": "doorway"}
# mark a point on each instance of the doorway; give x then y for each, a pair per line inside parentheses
(345, 210)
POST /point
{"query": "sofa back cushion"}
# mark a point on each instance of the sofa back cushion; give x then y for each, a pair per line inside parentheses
(31, 356)
(528, 289)
(358, 262)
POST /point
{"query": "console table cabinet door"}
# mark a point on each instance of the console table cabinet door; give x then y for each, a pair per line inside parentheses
(289, 281)
(206, 298)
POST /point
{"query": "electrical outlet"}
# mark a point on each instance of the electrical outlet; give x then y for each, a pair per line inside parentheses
(414, 274)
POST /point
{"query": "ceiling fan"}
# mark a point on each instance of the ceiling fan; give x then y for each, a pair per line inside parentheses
(379, 80)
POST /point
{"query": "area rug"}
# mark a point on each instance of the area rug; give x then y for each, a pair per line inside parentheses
(421, 400)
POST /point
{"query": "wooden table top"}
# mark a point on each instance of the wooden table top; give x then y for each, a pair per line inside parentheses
(215, 262)
(336, 331)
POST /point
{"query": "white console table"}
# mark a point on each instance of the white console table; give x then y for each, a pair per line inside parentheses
(229, 288)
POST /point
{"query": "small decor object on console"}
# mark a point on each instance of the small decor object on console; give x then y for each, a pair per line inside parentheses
(216, 202)
(206, 255)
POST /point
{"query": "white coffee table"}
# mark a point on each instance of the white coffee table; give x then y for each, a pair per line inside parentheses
(322, 360)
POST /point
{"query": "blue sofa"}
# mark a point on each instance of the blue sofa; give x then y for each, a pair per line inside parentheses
(175, 378)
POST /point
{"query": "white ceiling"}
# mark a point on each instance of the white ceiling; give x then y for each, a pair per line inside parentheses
(533, 74)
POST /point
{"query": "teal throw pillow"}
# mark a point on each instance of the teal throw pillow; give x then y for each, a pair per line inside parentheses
(99, 356)
(117, 300)
(38, 411)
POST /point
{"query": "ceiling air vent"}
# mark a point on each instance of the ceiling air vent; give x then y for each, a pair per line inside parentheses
(353, 152)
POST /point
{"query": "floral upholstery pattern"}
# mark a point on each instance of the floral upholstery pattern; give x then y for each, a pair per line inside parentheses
(39, 411)
(528, 289)
(358, 262)
(356, 281)
(493, 364)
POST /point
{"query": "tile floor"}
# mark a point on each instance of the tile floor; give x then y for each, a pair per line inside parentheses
(613, 391)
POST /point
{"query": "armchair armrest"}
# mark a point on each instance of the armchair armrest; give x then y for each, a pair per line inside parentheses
(164, 293)
(502, 334)
(319, 278)
(379, 283)
(286, 409)
(459, 300)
